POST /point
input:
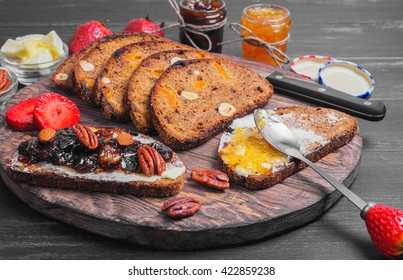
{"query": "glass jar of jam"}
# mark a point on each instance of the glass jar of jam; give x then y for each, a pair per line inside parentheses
(210, 15)
(271, 23)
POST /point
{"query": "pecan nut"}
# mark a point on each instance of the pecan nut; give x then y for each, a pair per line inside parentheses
(150, 161)
(181, 207)
(210, 177)
(86, 136)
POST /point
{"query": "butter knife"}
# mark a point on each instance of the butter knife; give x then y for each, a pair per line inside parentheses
(372, 110)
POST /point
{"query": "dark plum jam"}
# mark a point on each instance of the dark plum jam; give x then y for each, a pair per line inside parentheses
(65, 149)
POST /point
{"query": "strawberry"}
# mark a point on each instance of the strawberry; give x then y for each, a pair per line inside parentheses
(87, 33)
(55, 111)
(20, 116)
(144, 25)
(385, 227)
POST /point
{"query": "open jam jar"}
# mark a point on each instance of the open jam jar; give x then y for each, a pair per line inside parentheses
(270, 23)
(210, 15)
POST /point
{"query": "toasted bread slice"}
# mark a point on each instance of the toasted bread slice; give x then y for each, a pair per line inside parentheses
(111, 84)
(143, 79)
(194, 100)
(64, 74)
(88, 67)
(65, 163)
(250, 161)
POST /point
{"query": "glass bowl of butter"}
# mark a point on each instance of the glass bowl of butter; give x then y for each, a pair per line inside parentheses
(33, 57)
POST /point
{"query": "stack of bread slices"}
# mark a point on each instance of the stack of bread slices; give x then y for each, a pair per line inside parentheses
(184, 95)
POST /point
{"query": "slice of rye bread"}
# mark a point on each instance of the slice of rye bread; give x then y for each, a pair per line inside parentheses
(194, 100)
(320, 131)
(88, 67)
(64, 74)
(111, 85)
(144, 78)
(62, 177)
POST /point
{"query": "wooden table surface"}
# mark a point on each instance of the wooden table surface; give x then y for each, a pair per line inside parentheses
(369, 33)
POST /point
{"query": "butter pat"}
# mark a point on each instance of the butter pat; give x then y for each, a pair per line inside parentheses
(33, 48)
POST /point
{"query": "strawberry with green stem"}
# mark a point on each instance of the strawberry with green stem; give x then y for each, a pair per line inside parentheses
(145, 25)
(385, 227)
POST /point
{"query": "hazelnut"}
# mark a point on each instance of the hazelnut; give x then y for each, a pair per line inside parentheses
(226, 110)
(46, 135)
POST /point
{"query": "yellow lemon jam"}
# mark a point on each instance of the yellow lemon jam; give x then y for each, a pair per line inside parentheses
(248, 153)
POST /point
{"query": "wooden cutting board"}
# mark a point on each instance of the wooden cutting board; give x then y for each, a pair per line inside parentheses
(235, 216)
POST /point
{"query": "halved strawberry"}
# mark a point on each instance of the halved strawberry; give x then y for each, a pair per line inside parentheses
(55, 111)
(20, 116)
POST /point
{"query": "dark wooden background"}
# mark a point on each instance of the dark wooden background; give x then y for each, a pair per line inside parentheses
(369, 33)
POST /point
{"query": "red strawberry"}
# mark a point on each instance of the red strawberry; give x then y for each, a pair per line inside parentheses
(385, 227)
(55, 111)
(87, 33)
(144, 25)
(20, 116)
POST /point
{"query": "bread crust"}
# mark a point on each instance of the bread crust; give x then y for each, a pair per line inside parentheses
(160, 188)
(247, 103)
(262, 182)
(117, 70)
(68, 65)
(98, 56)
(40, 174)
(143, 79)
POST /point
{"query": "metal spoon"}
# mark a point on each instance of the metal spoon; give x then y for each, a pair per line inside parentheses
(282, 138)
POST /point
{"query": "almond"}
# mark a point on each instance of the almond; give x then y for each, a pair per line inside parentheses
(125, 139)
(105, 80)
(61, 76)
(189, 95)
(176, 59)
(226, 110)
(46, 135)
(86, 66)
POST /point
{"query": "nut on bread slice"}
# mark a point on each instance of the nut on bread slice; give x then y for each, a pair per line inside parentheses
(250, 161)
(87, 68)
(194, 100)
(64, 74)
(113, 167)
(111, 84)
(143, 79)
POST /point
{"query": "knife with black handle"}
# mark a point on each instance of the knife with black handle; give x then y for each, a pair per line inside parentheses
(372, 110)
